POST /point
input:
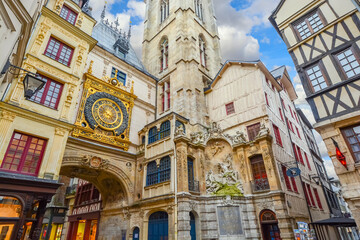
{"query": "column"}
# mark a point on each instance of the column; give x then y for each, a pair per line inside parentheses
(181, 163)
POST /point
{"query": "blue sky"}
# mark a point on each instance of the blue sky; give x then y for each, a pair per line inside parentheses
(245, 33)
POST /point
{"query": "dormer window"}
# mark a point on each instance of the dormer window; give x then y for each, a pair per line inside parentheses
(164, 10)
(309, 24)
(68, 14)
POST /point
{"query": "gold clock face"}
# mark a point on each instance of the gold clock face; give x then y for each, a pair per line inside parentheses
(107, 114)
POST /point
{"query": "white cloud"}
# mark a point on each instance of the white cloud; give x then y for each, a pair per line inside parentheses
(235, 27)
(265, 40)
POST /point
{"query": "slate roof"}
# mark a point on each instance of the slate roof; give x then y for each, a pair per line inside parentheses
(107, 37)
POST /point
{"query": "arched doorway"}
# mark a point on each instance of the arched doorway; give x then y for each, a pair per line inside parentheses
(192, 226)
(269, 225)
(158, 226)
(136, 233)
(10, 209)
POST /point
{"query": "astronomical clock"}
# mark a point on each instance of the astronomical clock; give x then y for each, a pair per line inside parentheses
(105, 112)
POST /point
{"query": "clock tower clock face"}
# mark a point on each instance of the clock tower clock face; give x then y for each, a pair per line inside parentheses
(107, 112)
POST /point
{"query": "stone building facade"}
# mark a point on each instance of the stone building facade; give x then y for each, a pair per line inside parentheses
(178, 145)
(323, 40)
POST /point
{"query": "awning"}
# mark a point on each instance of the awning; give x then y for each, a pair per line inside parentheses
(337, 221)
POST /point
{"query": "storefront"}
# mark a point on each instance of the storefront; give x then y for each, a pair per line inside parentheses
(85, 216)
(23, 202)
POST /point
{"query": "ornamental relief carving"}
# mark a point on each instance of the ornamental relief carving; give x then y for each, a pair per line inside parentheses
(6, 115)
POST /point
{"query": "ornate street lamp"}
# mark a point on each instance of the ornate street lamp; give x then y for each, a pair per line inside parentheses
(32, 85)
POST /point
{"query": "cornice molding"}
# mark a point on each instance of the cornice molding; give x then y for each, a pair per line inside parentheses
(36, 117)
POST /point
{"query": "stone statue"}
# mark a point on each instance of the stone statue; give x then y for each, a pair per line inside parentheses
(239, 138)
(179, 131)
(263, 131)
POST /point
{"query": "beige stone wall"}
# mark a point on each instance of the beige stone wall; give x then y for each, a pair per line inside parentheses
(34, 119)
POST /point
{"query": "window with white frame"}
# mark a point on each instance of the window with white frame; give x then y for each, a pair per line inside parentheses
(164, 51)
(309, 24)
(316, 78)
(349, 62)
(164, 10)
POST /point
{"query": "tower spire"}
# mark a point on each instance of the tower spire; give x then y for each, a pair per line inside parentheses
(103, 11)
(129, 33)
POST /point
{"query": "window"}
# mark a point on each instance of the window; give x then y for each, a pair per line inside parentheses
(292, 115)
(165, 96)
(317, 198)
(300, 156)
(306, 194)
(50, 94)
(307, 161)
(281, 115)
(159, 174)
(24, 154)
(202, 48)
(277, 135)
(164, 130)
(349, 62)
(164, 10)
(120, 76)
(309, 25)
(87, 193)
(298, 133)
(68, 14)
(164, 49)
(311, 195)
(295, 153)
(259, 173)
(267, 81)
(267, 100)
(286, 178)
(293, 182)
(352, 137)
(199, 9)
(253, 131)
(316, 78)
(153, 135)
(59, 51)
(283, 104)
(296, 116)
(230, 108)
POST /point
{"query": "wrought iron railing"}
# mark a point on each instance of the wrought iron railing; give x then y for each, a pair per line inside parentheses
(260, 185)
(194, 186)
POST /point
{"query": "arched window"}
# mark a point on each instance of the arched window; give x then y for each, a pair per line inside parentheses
(260, 181)
(136, 233)
(158, 174)
(164, 51)
(199, 9)
(164, 130)
(164, 10)
(269, 225)
(153, 135)
(202, 48)
(158, 226)
(10, 207)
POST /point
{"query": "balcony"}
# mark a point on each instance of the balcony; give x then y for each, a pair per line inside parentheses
(194, 186)
(260, 185)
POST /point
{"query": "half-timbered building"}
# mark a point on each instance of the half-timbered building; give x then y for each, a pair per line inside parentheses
(323, 39)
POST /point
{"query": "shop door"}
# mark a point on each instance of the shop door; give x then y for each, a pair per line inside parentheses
(271, 232)
(158, 226)
(192, 227)
(136, 234)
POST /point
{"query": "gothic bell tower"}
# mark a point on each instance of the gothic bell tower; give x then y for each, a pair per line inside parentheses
(181, 47)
